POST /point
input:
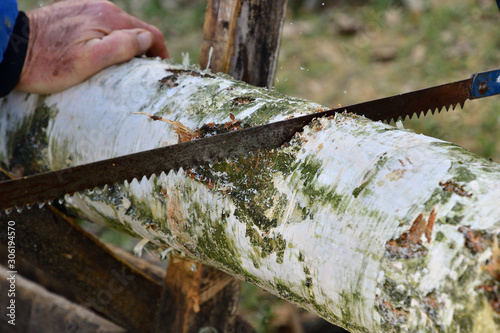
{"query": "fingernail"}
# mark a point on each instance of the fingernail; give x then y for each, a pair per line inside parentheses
(145, 40)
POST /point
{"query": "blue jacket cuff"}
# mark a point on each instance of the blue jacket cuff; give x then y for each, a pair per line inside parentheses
(14, 56)
(8, 15)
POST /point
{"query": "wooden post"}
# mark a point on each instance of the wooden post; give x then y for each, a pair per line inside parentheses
(219, 30)
(245, 37)
(197, 297)
(240, 38)
(257, 41)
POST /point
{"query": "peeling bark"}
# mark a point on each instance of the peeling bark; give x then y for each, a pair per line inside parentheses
(373, 228)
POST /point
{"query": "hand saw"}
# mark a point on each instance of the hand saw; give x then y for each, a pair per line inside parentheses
(47, 186)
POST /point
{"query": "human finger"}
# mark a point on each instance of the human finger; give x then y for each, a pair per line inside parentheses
(114, 18)
(117, 47)
(158, 47)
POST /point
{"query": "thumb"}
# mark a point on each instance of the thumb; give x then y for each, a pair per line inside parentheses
(117, 47)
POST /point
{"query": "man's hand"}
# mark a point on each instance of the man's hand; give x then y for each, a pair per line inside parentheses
(73, 40)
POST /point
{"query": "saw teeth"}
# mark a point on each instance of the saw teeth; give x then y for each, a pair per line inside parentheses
(41, 204)
(134, 182)
(8, 211)
(19, 209)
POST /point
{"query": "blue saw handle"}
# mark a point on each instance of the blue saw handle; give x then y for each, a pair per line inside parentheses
(486, 83)
(498, 4)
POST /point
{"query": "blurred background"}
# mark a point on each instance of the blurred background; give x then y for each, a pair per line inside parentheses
(347, 51)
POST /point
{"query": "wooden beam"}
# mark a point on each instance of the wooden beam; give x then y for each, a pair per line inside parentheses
(99, 278)
(38, 310)
(198, 297)
(41, 279)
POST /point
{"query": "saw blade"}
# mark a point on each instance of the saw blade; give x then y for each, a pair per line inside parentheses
(416, 102)
(46, 186)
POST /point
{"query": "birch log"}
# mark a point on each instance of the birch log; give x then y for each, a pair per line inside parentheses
(373, 228)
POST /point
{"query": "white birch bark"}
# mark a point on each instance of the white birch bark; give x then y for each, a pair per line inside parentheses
(373, 228)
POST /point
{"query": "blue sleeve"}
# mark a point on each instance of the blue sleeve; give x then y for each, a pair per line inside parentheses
(8, 15)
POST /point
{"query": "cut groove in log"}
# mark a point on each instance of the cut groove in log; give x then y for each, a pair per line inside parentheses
(373, 228)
